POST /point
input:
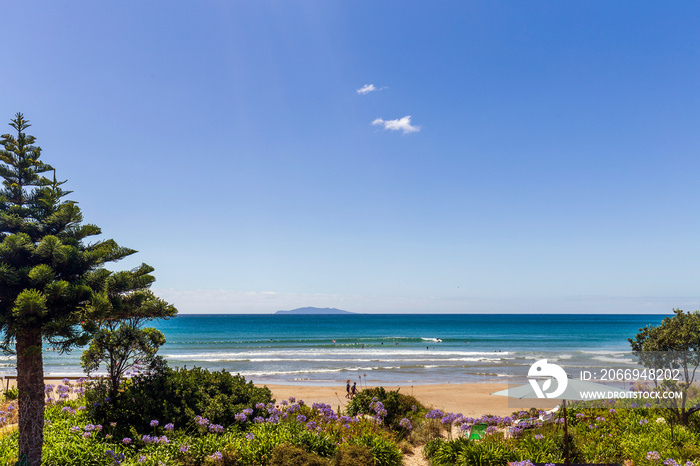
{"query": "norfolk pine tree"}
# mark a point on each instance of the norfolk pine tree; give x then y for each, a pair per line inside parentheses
(53, 286)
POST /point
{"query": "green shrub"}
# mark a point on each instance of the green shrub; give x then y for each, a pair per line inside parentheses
(384, 451)
(353, 455)
(12, 394)
(542, 448)
(175, 396)
(444, 453)
(397, 405)
(432, 447)
(485, 453)
(317, 442)
(291, 455)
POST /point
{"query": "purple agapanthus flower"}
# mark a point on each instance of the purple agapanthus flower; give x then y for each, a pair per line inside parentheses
(216, 428)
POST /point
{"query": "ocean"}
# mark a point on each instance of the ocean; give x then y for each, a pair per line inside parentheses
(396, 349)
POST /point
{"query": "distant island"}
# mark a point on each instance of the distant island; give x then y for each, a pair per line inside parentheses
(315, 311)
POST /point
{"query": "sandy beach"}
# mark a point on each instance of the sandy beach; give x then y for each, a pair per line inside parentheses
(471, 400)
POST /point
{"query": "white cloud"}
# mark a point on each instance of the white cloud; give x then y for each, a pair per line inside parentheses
(367, 88)
(402, 124)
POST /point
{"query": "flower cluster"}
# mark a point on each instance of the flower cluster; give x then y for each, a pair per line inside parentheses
(216, 428)
(64, 390)
(378, 408)
(155, 439)
(116, 457)
(326, 411)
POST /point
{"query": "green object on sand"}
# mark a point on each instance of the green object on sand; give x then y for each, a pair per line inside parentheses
(478, 431)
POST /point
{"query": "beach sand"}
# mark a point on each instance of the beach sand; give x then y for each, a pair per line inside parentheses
(471, 400)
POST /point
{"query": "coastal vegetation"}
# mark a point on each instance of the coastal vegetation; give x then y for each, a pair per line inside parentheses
(609, 432)
(54, 287)
(195, 417)
(55, 290)
(164, 416)
(674, 344)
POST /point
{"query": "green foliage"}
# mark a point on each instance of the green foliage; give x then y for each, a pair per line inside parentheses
(674, 344)
(352, 455)
(445, 453)
(486, 453)
(602, 433)
(384, 451)
(120, 341)
(432, 447)
(48, 275)
(176, 396)
(547, 448)
(231, 456)
(598, 433)
(291, 455)
(51, 280)
(11, 394)
(396, 404)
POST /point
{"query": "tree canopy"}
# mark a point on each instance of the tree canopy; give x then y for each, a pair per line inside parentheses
(674, 344)
(53, 285)
(120, 341)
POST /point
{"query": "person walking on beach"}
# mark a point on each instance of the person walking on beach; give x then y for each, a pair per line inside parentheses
(354, 390)
(347, 389)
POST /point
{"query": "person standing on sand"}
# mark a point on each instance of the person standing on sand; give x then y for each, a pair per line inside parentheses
(347, 389)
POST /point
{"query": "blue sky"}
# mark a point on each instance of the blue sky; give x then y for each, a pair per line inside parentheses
(550, 162)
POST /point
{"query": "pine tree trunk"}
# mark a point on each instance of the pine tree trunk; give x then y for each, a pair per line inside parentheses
(30, 384)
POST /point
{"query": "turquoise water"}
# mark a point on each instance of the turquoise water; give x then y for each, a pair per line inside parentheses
(387, 348)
